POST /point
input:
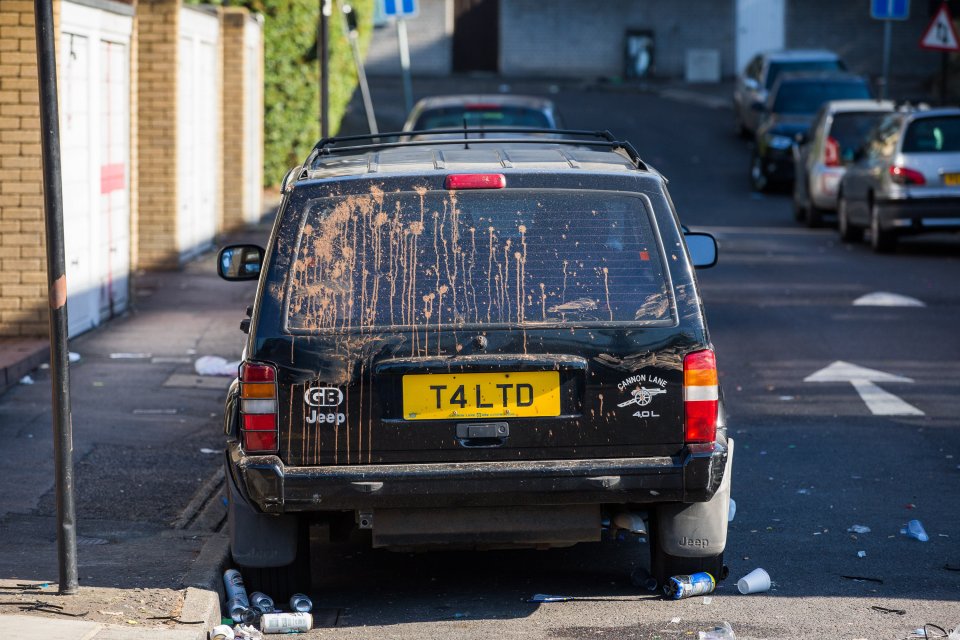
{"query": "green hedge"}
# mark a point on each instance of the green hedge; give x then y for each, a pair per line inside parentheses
(292, 76)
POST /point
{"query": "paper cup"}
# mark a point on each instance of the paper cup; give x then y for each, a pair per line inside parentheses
(754, 582)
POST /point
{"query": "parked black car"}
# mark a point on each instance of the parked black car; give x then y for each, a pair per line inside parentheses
(482, 345)
(787, 116)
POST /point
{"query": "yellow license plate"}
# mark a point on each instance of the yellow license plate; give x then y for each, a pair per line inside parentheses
(951, 179)
(445, 396)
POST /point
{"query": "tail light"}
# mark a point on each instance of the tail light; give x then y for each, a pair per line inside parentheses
(904, 175)
(701, 393)
(258, 408)
(476, 181)
(831, 152)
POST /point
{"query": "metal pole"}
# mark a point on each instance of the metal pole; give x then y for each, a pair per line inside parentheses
(350, 27)
(885, 83)
(57, 282)
(944, 59)
(404, 46)
(324, 44)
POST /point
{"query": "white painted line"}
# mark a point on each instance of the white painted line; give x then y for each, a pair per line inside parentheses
(883, 403)
(886, 299)
(880, 402)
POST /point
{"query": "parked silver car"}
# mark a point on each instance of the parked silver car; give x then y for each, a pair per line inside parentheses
(483, 110)
(838, 130)
(758, 77)
(906, 179)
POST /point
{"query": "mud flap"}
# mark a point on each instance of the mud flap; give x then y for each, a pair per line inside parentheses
(697, 530)
(256, 539)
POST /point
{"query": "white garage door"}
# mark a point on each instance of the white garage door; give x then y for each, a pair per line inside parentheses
(198, 131)
(95, 156)
(760, 26)
(253, 116)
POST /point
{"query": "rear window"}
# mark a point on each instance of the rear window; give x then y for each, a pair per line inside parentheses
(932, 135)
(807, 97)
(850, 130)
(776, 68)
(516, 257)
(479, 116)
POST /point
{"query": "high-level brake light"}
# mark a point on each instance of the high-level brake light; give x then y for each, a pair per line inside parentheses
(701, 394)
(476, 181)
(258, 408)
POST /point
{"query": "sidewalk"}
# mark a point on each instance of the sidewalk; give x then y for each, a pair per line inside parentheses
(148, 472)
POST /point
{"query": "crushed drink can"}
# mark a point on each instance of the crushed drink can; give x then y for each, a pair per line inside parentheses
(233, 587)
(240, 612)
(222, 632)
(301, 602)
(261, 602)
(286, 622)
(697, 584)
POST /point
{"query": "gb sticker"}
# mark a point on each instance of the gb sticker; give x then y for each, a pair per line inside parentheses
(644, 390)
(324, 397)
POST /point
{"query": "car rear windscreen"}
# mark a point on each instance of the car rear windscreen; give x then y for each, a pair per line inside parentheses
(791, 66)
(850, 130)
(438, 258)
(807, 96)
(933, 135)
(480, 116)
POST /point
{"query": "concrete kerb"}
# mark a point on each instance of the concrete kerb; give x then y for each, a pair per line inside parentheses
(204, 585)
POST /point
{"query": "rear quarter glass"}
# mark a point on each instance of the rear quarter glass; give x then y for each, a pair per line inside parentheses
(532, 258)
(933, 135)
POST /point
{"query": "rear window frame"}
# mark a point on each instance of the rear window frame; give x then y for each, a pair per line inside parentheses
(646, 205)
(905, 131)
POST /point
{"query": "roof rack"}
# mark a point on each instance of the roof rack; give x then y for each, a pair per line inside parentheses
(328, 146)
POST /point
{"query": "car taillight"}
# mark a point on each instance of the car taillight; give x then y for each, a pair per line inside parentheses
(258, 408)
(904, 175)
(481, 106)
(476, 181)
(701, 393)
(831, 152)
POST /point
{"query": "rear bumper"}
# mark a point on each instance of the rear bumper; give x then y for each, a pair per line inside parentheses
(693, 476)
(916, 215)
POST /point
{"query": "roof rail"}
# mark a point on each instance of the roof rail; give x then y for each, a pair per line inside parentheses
(328, 146)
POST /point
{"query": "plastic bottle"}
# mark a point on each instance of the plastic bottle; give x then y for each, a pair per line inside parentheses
(915, 530)
(723, 632)
(697, 584)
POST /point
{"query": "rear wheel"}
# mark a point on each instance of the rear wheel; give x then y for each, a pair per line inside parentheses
(882, 240)
(282, 582)
(849, 232)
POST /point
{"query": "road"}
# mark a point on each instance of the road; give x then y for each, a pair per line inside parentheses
(811, 461)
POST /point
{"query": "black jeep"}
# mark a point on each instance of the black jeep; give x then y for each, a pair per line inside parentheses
(482, 344)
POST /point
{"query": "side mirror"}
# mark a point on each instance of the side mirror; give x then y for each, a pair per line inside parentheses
(240, 262)
(702, 248)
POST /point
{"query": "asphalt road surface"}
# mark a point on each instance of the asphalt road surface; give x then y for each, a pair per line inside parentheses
(812, 459)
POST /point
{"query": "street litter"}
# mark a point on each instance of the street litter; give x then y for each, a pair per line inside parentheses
(756, 581)
(300, 603)
(862, 579)
(286, 622)
(723, 632)
(914, 529)
(215, 366)
(858, 528)
(542, 597)
(899, 612)
(640, 577)
(222, 632)
(675, 620)
(26, 380)
(247, 632)
(238, 603)
(733, 510)
(922, 632)
(861, 554)
(208, 451)
(803, 492)
(74, 357)
(261, 601)
(697, 584)
(707, 600)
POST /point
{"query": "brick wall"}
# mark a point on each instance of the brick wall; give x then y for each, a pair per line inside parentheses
(234, 90)
(23, 297)
(158, 27)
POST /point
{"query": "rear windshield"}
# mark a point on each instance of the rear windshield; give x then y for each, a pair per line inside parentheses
(807, 97)
(932, 135)
(850, 130)
(776, 68)
(517, 257)
(479, 116)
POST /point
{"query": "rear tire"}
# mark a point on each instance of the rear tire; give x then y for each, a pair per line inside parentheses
(282, 582)
(848, 231)
(882, 241)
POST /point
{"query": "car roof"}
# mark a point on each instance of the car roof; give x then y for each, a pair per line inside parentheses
(842, 106)
(782, 55)
(479, 157)
(500, 99)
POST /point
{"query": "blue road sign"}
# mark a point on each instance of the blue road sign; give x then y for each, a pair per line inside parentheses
(890, 9)
(399, 8)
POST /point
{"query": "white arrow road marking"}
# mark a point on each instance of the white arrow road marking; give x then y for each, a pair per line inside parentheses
(886, 299)
(880, 402)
